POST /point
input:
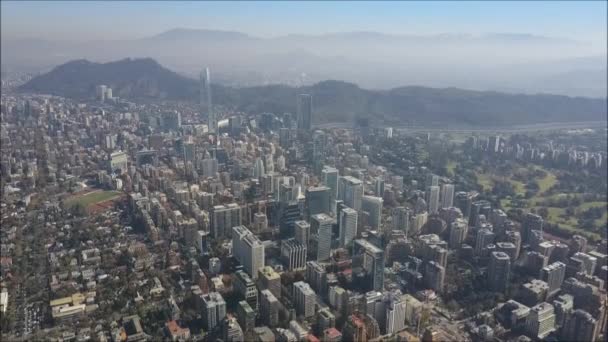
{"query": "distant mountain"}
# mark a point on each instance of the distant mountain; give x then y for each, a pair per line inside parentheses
(129, 78)
(334, 101)
(512, 62)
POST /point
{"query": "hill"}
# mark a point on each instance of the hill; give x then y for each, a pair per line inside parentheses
(129, 78)
(334, 101)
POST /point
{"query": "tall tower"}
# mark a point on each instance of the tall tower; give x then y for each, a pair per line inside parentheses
(206, 100)
(304, 111)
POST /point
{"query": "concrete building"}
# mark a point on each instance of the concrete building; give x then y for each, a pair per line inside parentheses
(269, 308)
(248, 250)
(293, 254)
(304, 299)
(372, 259)
(347, 226)
(373, 206)
(246, 288)
(554, 275)
(432, 198)
(304, 111)
(350, 191)
(499, 271)
(447, 195)
(214, 310)
(540, 321)
(269, 280)
(321, 225)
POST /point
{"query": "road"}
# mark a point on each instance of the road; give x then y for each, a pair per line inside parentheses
(507, 129)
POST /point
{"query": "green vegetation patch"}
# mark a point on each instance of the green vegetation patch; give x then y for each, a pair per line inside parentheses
(91, 198)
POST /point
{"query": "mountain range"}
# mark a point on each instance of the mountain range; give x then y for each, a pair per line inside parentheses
(512, 62)
(334, 101)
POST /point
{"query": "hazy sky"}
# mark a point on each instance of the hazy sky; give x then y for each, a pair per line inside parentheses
(584, 21)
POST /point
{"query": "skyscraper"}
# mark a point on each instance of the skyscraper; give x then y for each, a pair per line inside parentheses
(317, 200)
(304, 299)
(269, 308)
(373, 206)
(293, 254)
(330, 180)
(214, 310)
(321, 225)
(554, 275)
(304, 111)
(531, 222)
(205, 99)
(372, 260)
(248, 250)
(401, 218)
(580, 326)
(302, 231)
(347, 225)
(447, 195)
(350, 190)
(499, 271)
(432, 198)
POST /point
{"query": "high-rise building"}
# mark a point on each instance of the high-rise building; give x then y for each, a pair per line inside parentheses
(347, 226)
(540, 321)
(269, 308)
(401, 218)
(372, 260)
(205, 100)
(434, 275)
(258, 169)
(118, 162)
(554, 275)
(269, 280)
(515, 238)
(458, 233)
(231, 330)
(223, 218)
(289, 214)
(246, 288)
(321, 226)
(210, 167)
(432, 198)
(248, 250)
(304, 111)
(316, 276)
(214, 310)
(304, 299)
(245, 315)
(463, 201)
(531, 222)
(350, 190)
(379, 187)
(447, 195)
(330, 180)
(395, 313)
(100, 92)
(293, 254)
(318, 200)
(373, 206)
(483, 238)
(302, 232)
(580, 326)
(499, 271)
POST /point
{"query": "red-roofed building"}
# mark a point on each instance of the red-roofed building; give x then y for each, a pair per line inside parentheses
(312, 338)
(175, 332)
(332, 335)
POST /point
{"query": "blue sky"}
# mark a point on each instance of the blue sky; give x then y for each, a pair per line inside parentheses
(585, 21)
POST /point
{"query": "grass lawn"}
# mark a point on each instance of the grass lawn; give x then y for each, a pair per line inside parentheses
(451, 166)
(92, 198)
